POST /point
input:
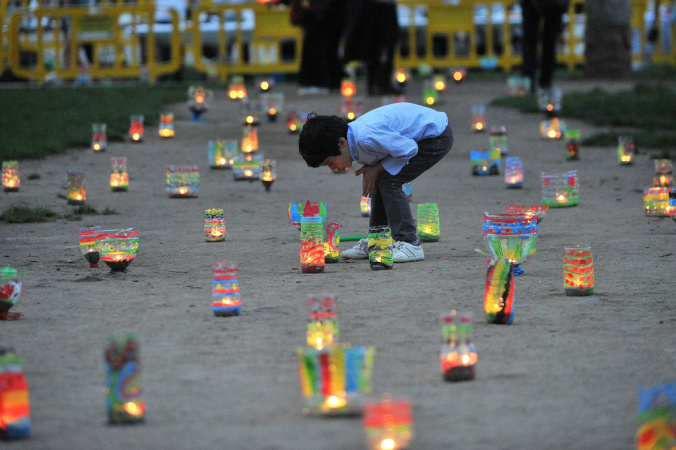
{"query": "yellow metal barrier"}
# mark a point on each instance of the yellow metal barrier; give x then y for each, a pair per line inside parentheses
(105, 41)
(245, 39)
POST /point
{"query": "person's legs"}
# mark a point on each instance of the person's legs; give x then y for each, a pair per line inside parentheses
(531, 20)
(550, 33)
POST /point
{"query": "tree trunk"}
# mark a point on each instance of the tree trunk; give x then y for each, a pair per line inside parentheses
(607, 51)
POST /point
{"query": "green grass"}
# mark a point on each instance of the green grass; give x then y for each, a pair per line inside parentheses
(25, 214)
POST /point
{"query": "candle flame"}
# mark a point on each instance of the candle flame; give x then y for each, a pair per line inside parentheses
(241, 93)
(182, 191)
(479, 125)
(265, 85)
(350, 115)
(465, 360)
(249, 119)
(550, 107)
(97, 147)
(401, 77)
(457, 75)
(292, 127)
(320, 345)
(387, 444)
(429, 100)
(551, 133)
(439, 85)
(221, 161)
(133, 409)
(248, 172)
(232, 94)
(135, 136)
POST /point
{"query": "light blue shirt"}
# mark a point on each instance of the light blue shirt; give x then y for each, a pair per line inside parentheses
(390, 134)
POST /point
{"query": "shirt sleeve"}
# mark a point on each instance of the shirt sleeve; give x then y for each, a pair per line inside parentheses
(395, 149)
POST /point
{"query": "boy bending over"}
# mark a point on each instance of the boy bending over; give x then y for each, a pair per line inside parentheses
(396, 144)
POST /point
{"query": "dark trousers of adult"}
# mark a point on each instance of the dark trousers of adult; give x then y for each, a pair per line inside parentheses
(389, 205)
(551, 28)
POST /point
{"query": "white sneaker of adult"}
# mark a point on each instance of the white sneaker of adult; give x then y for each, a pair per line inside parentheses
(405, 252)
(359, 251)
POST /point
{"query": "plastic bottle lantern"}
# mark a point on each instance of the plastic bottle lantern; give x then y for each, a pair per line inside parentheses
(365, 206)
(225, 296)
(236, 88)
(656, 417)
(183, 181)
(198, 101)
(538, 211)
(118, 248)
(10, 176)
(11, 288)
(513, 172)
(510, 236)
(485, 162)
(572, 145)
(401, 76)
(99, 138)
(499, 141)
(119, 178)
(663, 171)
(89, 245)
(249, 140)
(322, 324)
(335, 379)
(380, 246)
(388, 424)
(578, 271)
(518, 85)
(625, 150)
(295, 212)
(479, 118)
(439, 83)
(295, 121)
(311, 240)
(214, 225)
(332, 244)
(458, 355)
(350, 108)
(672, 204)
(559, 189)
(458, 75)
(429, 229)
(549, 101)
(268, 173)
(75, 187)
(348, 88)
(166, 129)
(221, 154)
(552, 129)
(124, 382)
(408, 190)
(136, 128)
(499, 292)
(273, 103)
(430, 94)
(15, 410)
(656, 201)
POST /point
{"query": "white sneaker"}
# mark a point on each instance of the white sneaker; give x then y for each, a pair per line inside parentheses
(405, 252)
(359, 251)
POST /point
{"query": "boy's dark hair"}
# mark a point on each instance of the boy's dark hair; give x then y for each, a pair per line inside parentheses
(319, 138)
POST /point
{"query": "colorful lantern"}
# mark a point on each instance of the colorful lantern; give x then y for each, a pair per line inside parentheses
(246, 169)
(485, 162)
(119, 178)
(295, 121)
(510, 236)
(166, 129)
(656, 417)
(458, 75)
(249, 139)
(136, 128)
(672, 204)
(335, 379)
(348, 88)
(656, 201)
(75, 187)
(15, 409)
(401, 76)
(183, 181)
(388, 424)
(198, 101)
(429, 229)
(89, 246)
(408, 190)
(578, 271)
(573, 145)
(518, 85)
(499, 292)
(311, 240)
(380, 246)
(439, 83)
(365, 206)
(295, 211)
(268, 173)
(236, 88)
(124, 382)
(663, 171)
(214, 225)
(549, 101)
(118, 248)
(513, 172)
(273, 103)
(458, 355)
(625, 150)
(99, 138)
(499, 141)
(332, 244)
(479, 118)
(538, 210)
(351, 108)
(221, 154)
(552, 129)
(322, 324)
(225, 298)
(559, 189)
(11, 288)
(10, 176)
(430, 94)
(265, 84)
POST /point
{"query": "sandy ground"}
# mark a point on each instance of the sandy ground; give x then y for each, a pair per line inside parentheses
(564, 375)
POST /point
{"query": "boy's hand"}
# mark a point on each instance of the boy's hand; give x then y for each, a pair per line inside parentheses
(369, 184)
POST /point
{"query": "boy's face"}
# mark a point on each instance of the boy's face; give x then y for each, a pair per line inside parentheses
(340, 162)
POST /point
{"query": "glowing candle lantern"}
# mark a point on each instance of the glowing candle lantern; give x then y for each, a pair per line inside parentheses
(538, 210)
(124, 381)
(552, 129)
(513, 172)
(15, 410)
(401, 76)
(198, 101)
(136, 128)
(429, 229)
(388, 424)
(485, 162)
(265, 84)
(578, 271)
(672, 204)
(75, 187)
(10, 176)
(119, 178)
(236, 88)
(499, 141)
(549, 101)
(335, 379)
(214, 225)
(273, 104)
(458, 75)
(656, 201)
(99, 137)
(183, 181)
(348, 88)
(439, 83)
(225, 295)
(245, 169)
(322, 324)
(11, 288)
(625, 150)
(408, 190)
(430, 94)
(89, 246)
(268, 173)
(479, 118)
(573, 145)
(499, 292)
(332, 243)
(166, 129)
(249, 139)
(663, 171)
(458, 355)
(559, 189)
(295, 121)
(351, 108)
(221, 154)
(380, 246)
(657, 417)
(118, 248)
(311, 240)
(365, 206)
(518, 85)
(510, 236)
